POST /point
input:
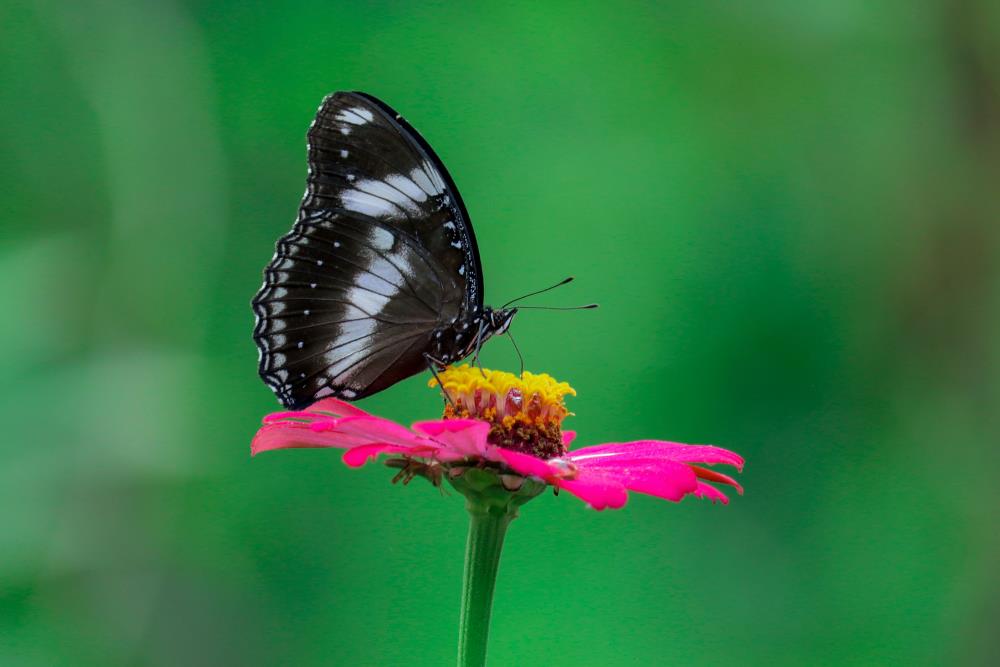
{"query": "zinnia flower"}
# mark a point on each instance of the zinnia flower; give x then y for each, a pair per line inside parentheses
(510, 427)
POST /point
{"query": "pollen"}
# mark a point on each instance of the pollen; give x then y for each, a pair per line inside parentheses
(525, 413)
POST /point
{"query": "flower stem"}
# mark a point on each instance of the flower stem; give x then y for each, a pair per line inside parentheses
(493, 500)
(487, 527)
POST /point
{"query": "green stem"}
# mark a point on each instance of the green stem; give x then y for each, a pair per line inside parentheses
(487, 526)
(493, 499)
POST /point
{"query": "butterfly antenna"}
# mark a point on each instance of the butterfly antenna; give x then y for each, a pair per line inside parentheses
(589, 306)
(518, 350)
(551, 287)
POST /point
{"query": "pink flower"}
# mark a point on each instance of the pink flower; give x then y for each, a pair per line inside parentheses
(520, 415)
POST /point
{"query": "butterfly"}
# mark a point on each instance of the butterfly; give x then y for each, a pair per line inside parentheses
(380, 276)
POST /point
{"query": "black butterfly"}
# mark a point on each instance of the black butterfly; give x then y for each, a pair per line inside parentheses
(380, 276)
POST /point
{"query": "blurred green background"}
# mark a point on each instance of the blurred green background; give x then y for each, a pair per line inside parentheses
(789, 212)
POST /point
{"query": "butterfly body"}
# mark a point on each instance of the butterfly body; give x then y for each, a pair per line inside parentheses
(380, 276)
(460, 338)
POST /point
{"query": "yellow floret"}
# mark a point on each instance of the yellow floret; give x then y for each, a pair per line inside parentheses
(466, 379)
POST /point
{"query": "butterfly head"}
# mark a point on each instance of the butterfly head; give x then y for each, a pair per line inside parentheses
(499, 320)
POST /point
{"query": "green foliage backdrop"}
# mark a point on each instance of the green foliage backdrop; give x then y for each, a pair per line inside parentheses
(789, 212)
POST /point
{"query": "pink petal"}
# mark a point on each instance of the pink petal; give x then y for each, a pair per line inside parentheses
(346, 433)
(288, 436)
(356, 457)
(658, 449)
(568, 437)
(595, 490)
(457, 438)
(337, 408)
(526, 464)
(712, 476)
(710, 492)
(666, 479)
(324, 409)
(657, 468)
(294, 415)
(374, 430)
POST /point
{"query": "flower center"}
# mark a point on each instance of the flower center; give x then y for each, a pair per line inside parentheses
(525, 413)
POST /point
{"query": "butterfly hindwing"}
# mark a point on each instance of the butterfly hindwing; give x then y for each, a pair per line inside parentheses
(364, 158)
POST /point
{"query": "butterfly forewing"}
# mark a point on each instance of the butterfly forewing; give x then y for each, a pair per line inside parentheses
(365, 159)
(381, 254)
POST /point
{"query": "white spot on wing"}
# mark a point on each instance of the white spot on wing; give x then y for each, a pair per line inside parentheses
(387, 272)
(406, 185)
(364, 113)
(423, 182)
(388, 193)
(366, 204)
(372, 302)
(381, 238)
(339, 359)
(355, 116)
(435, 177)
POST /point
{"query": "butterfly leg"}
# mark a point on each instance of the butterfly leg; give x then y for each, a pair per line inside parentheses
(433, 365)
(479, 346)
